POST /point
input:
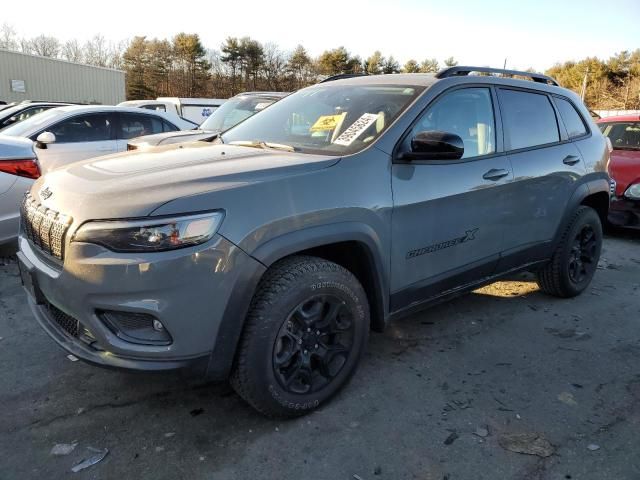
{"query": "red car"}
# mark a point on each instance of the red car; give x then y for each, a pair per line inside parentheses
(624, 168)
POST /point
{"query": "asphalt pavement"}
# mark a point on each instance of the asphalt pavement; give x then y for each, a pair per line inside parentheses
(503, 383)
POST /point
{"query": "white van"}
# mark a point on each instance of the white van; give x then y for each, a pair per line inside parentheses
(193, 109)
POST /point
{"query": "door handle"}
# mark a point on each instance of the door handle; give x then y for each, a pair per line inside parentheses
(495, 174)
(571, 160)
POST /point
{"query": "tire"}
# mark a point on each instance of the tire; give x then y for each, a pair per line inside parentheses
(576, 257)
(306, 330)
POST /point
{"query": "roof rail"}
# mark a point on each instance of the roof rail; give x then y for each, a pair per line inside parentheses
(340, 76)
(458, 71)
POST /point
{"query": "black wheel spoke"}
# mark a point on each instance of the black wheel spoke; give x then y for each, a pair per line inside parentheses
(313, 344)
(583, 254)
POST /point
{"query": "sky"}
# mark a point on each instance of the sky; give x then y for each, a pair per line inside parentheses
(476, 32)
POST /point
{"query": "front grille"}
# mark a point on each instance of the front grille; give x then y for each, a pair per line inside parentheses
(46, 228)
(66, 322)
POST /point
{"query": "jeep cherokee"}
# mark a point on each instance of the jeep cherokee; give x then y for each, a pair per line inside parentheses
(268, 256)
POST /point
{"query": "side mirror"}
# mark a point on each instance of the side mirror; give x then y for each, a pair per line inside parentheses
(45, 138)
(436, 145)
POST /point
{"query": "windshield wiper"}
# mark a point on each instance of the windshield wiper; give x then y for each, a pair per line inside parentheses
(264, 145)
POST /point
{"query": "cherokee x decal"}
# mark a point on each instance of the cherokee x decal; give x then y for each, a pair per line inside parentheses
(467, 237)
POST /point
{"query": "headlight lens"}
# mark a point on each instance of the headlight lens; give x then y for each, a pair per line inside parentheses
(151, 235)
(633, 191)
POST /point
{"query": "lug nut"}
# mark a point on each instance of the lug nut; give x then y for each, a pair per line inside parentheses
(318, 332)
(315, 346)
(308, 329)
(299, 341)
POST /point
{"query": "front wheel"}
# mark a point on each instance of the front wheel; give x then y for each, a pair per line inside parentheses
(306, 330)
(576, 258)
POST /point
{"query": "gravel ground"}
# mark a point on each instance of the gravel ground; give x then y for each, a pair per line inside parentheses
(439, 396)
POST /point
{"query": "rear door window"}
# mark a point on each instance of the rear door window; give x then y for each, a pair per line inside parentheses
(571, 118)
(133, 125)
(95, 127)
(529, 119)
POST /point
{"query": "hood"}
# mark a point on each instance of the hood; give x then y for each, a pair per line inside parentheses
(624, 168)
(168, 138)
(136, 183)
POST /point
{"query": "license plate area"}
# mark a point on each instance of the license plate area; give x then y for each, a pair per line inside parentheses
(29, 281)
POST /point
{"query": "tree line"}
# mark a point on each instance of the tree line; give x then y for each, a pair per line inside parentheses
(183, 67)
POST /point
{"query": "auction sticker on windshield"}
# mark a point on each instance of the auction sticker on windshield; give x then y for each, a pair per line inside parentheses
(356, 129)
(327, 123)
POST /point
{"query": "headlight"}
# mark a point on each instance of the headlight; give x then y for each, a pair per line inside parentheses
(633, 191)
(151, 234)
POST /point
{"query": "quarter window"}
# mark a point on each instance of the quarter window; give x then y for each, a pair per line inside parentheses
(466, 112)
(571, 118)
(528, 118)
(83, 128)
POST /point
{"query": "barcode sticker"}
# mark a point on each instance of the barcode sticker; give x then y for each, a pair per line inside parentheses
(356, 129)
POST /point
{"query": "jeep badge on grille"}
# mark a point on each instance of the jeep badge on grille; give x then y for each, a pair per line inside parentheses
(45, 193)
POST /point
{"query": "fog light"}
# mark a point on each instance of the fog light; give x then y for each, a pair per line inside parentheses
(140, 328)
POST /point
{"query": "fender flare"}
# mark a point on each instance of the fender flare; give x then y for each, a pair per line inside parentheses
(318, 236)
(596, 183)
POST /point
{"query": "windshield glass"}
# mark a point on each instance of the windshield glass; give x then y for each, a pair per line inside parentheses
(327, 119)
(27, 126)
(233, 111)
(623, 135)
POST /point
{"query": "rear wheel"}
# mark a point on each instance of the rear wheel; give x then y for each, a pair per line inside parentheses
(576, 258)
(306, 330)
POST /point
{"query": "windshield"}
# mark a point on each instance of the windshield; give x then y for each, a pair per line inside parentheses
(27, 126)
(327, 119)
(623, 135)
(233, 112)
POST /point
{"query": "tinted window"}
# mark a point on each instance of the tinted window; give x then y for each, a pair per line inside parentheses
(132, 125)
(528, 118)
(469, 114)
(571, 118)
(83, 128)
(160, 108)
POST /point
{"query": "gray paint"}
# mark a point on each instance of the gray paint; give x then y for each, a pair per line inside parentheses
(49, 79)
(278, 203)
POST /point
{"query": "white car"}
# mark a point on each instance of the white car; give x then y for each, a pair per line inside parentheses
(69, 134)
(18, 169)
(194, 109)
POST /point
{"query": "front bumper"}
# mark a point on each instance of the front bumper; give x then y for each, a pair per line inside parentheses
(188, 290)
(624, 212)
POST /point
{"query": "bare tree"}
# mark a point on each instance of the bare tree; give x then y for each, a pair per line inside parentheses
(72, 51)
(96, 51)
(45, 46)
(25, 45)
(8, 37)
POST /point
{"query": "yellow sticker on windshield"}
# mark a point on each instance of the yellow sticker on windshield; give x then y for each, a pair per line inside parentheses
(327, 123)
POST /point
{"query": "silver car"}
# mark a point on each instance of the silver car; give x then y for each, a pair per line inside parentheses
(18, 169)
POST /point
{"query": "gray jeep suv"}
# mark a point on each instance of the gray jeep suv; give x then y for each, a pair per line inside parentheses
(268, 256)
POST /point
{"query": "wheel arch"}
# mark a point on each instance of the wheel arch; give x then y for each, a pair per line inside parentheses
(353, 245)
(593, 193)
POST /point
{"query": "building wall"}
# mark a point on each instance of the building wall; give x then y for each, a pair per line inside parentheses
(49, 79)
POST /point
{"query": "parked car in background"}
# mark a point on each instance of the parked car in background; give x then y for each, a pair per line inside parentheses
(17, 113)
(18, 169)
(235, 110)
(68, 134)
(624, 168)
(195, 110)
